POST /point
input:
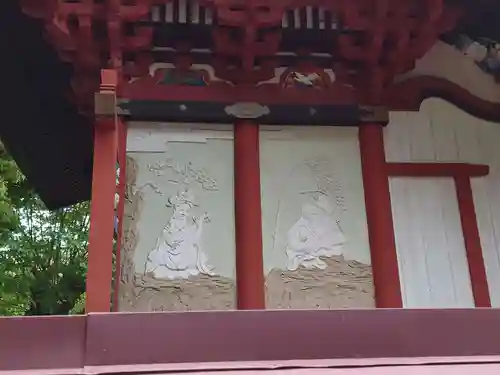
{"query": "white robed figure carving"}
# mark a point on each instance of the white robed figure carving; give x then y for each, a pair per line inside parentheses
(178, 252)
(316, 234)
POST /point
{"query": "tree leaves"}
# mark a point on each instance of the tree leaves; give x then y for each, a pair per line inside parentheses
(9, 174)
(43, 254)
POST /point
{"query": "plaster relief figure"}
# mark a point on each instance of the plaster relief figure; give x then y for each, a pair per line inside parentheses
(178, 252)
(316, 234)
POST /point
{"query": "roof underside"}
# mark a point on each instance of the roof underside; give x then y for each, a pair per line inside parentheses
(481, 20)
(49, 139)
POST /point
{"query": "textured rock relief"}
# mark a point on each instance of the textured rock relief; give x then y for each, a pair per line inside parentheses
(341, 284)
(316, 234)
(201, 292)
(317, 275)
(177, 275)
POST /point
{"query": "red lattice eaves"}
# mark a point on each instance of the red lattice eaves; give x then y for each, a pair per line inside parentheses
(385, 36)
(90, 36)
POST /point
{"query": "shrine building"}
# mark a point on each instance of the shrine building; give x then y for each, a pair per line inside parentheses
(328, 155)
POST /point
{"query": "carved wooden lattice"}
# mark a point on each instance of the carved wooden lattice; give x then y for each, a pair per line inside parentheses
(375, 39)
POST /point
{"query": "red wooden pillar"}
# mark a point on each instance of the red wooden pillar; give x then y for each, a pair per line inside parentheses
(472, 241)
(248, 217)
(100, 251)
(100, 255)
(379, 217)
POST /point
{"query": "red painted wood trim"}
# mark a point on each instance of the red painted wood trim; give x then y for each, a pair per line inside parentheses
(461, 172)
(113, 343)
(472, 241)
(248, 217)
(403, 96)
(379, 217)
(100, 250)
(122, 161)
(409, 94)
(225, 93)
(436, 169)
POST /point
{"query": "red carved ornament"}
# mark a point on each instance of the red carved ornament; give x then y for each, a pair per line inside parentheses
(386, 38)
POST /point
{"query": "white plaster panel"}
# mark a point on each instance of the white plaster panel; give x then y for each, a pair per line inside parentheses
(171, 159)
(315, 238)
(453, 136)
(429, 242)
(288, 181)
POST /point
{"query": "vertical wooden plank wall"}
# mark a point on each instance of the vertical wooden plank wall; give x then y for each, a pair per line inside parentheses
(442, 133)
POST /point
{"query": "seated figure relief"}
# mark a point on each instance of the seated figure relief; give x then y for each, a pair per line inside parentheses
(316, 234)
(178, 253)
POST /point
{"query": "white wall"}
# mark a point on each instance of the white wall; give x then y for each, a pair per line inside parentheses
(441, 132)
(431, 253)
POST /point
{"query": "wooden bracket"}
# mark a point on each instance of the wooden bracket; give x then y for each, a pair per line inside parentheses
(105, 101)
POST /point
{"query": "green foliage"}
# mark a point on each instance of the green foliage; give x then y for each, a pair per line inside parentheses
(9, 174)
(43, 254)
(79, 307)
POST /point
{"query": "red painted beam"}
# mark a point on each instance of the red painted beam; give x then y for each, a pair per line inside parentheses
(409, 94)
(379, 217)
(147, 89)
(404, 96)
(112, 343)
(477, 271)
(436, 169)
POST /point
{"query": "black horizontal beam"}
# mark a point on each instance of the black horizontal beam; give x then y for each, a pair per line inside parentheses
(274, 114)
